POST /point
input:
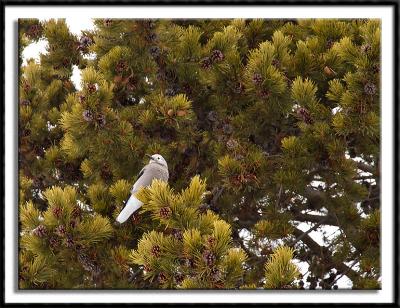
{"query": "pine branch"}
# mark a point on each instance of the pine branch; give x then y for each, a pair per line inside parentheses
(237, 239)
(344, 273)
(135, 274)
(314, 196)
(366, 168)
(278, 200)
(217, 192)
(319, 219)
(324, 253)
(301, 236)
(365, 177)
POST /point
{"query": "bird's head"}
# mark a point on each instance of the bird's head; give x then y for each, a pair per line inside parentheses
(157, 159)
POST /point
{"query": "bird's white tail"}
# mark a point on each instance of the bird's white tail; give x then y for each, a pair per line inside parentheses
(131, 207)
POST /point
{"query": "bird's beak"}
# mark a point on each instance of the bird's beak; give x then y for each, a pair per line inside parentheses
(149, 156)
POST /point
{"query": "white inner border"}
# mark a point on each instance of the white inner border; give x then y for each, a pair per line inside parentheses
(385, 13)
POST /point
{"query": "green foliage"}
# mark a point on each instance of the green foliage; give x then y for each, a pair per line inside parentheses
(279, 270)
(195, 253)
(282, 117)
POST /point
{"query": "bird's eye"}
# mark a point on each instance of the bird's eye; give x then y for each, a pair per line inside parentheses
(158, 158)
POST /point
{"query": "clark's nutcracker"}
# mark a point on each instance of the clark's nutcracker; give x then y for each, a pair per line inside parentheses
(157, 168)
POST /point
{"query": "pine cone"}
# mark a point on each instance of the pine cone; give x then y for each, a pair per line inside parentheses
(72, 224)
(91, 88)
(81, 98)
(211, 241)
(155, 51)
(26, 132)
(216, 274)
(217, 55)
(165, 212)
(40, 231)
(135, 218)
(162, 278)
(177, 234)
(85, 41)
(370, 88)
(83, 259)
(88, 115)
(275, 62)
(101, 120)
(69, 242)
(66, 62)
(232, 144)
(131, 85)
(121, 66)
(179, 278)
(187, 89)
(189, 263)
(203, 208)
(329, 43)
(25, 102)
(257, 78)
(27, 87)
(170, 92)
(209, 258)
(156, 251)
(366, 48)
(34, 31)
(60, 230)
(147, 268)
(239, 88)
(151, 37)
(88, 264)
(227, 129)
(264, 94)
(206, 63)
(76, 212)
(212, 116)
(105, 172)
(304, 115)
(149, 23)
(57, 212)
(54, 242)
(107, 22)
(376, 68)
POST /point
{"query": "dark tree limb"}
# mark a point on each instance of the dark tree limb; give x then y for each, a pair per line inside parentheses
(216, 194)
(301, 236)
(318, 219)
(366, 168)
(325, 253)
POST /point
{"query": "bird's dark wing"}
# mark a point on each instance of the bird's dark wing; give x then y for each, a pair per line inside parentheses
(140, 173)
(140, 181)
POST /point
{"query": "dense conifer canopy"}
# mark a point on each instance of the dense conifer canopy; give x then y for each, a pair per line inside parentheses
(269, 128)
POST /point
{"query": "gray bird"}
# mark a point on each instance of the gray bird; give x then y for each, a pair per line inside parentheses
(157, 168)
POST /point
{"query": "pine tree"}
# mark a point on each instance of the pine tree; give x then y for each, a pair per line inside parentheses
(265, 124)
